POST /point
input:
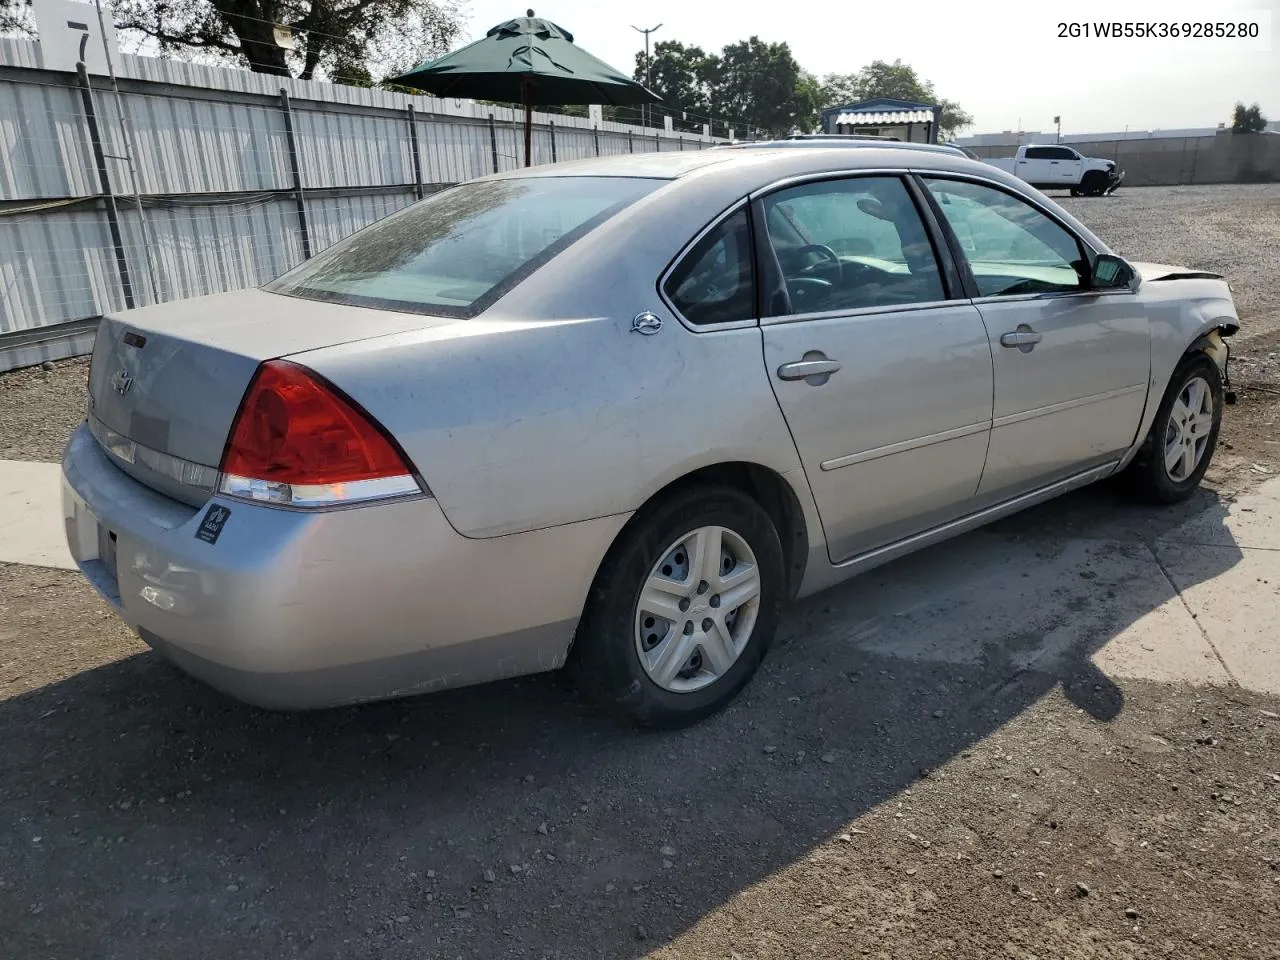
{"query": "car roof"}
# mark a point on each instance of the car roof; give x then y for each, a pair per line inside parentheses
(846, 141)
(764, 162)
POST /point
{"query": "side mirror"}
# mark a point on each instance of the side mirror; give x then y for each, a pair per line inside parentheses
(1110, 273)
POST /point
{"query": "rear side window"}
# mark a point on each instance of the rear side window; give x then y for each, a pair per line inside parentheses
(456, 252)
(715, 282)
(1040, 153)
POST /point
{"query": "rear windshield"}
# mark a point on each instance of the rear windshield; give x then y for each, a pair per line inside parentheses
(458, 251)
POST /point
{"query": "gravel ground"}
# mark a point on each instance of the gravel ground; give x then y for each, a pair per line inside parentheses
(847, 805)
(1231, 229)
(39, 407)
(850, 804)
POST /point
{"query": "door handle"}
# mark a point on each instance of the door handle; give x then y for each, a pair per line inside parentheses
(1021, 338)
(815, 371)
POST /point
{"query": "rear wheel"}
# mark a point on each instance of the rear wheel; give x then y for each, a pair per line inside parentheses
(1183, 435)
(683, 609)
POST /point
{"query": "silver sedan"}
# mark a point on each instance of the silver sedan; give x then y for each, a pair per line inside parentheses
(614, 414)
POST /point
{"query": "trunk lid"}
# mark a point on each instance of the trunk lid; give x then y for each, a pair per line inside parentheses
(167, 380)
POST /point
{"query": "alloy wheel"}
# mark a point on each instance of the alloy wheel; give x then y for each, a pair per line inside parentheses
(1186, 435)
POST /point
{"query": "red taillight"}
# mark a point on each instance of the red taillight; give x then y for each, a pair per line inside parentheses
(297, 440)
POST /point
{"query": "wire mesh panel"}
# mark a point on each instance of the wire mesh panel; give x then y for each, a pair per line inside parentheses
(196, 145)
(44, 145)
(344, 149)
(541, 137)
(210, 248)
(454, 150)
(613, 143)
(510, 139)
(58, 266)
(574, 143)
(332, 218)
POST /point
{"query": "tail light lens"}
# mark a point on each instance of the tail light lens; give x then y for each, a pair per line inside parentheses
(298, 441)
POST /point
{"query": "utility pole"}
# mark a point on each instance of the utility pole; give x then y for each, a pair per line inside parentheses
(127, 129)
(648, 69)
(1058, 120)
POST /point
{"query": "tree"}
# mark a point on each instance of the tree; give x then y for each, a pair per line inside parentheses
(345, 40)
(1248, 119)
(761, 84)
(897, 81)
(682, 77)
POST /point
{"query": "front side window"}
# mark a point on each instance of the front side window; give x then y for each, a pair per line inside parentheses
(456, 252)
(851, 244)
(715, 282)
(1012, 247)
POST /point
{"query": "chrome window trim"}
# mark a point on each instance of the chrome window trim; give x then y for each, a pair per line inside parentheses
(797, 179)
(736, 207)
(1053, 295)
(862, 312)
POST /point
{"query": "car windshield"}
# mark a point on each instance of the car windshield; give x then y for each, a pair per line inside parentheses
(455, 253)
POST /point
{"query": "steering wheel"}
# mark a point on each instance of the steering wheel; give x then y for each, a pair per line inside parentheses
(830, 261)
(808, 293)
(858, 272)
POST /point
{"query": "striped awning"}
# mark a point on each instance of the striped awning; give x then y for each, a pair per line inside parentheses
(856, 118)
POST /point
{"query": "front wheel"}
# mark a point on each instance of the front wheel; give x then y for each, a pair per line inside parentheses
(1183, 435)
(1094, 183)
(683, 608)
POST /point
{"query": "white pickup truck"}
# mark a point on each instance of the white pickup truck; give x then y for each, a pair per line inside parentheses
(1061, 168)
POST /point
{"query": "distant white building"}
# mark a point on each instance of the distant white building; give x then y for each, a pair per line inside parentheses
(1016, 138)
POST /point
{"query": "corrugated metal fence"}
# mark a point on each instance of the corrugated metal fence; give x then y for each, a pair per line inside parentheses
(238, 176)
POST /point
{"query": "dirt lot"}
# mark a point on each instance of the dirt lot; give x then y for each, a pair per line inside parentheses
(852, 803)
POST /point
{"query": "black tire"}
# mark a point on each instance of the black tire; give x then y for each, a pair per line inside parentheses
(604, 660)
(1075, 191)
(1147, 477)
(1094, 183)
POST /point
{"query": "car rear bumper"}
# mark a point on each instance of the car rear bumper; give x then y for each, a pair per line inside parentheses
(296, 609)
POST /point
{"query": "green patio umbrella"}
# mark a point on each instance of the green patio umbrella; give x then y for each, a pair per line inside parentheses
(528, 61)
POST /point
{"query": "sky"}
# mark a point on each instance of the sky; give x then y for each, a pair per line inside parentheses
(1002, 61)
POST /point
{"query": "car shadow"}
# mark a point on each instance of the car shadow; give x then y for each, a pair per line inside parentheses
(510, 819)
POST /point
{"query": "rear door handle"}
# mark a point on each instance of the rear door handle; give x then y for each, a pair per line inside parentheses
(815, 371)
(1021, 338)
